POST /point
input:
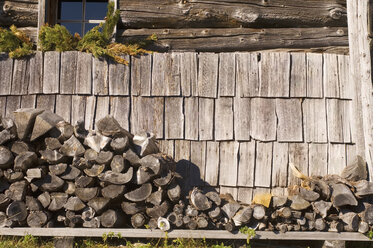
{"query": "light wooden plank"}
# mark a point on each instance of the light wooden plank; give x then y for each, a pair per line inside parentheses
(191, 118)
(263, 119)
(84, 74)
(3, 105)
(166, 147)
(224, 118)
(274, 74)
(173, 83)
(298, 75)
(233, 191)
(346, 87)
(198, 163)
(51, 73)
(174, 118)
(208, 75)
(78, 108)
(46, 102)
(28, 101)
(314, 119)
(331, 79)
(12, 104)
(206, 119)
(339, 118)
(21, 76)
(189, 73)
(120, 109)
(227, 74)
(318, 159)
(166, 74)
(141, 75)
(63, 106)
(183, 164)
(280, 164)
(247, 73)
(228, 163)
(298, 155)
(289, 115)
(351, 154)
(212, 163)
(6, 68)
(90, 109)
(36, 74)
(68, 72)
(278, 191)
(337, 158)
(245, 195)
(263, 164)
(147, 115)
(102, 107)
(314, 75)
(246, 164)
(119, 78)
(100, 69)
(242, 118)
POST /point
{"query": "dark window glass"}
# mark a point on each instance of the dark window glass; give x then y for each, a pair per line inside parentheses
(73, 27)
(89, 26)
(95, 10)
(70, 10)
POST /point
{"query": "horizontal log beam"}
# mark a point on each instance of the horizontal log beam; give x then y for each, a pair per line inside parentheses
(19, 13)
(239, 39)
(233, 13)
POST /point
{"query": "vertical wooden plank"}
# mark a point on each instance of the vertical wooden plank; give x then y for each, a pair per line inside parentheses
(166, 74)
(46, 102)
(208, 75)
(191, 118)
(233, 191)
(331, 79)
(346, 87)
(182, 156)
(212, 163)
(28, 101)
(12, 104)
(6, 69)
(263, 119)
(198, 165)
(102, 107)
(298, 75)
(84, 74)
(314, 119)
(90, 109)
(246, 164)
(242, 118)
(21, 77)
(314, 75)
(351, 154)
(189, 74)
(141, 75)
(77, 108)
(224, 118)
(120, 109)
(227, 74)
(119, 78)
(166, 147)
(247, 74)
(318, 159)
(36, 74)
(298, 155)
(206, 119)
(51, 75)
(289, 115)
(63, 106)
(245, 195)
(336, 158)
(3, 105)
(173, 82)
(100, 70)
(280, 164)
(147, 115)
(228, 163)
(68, 72)
(174, 118)
(339, 118)
(278, 191)
(263, 164)
(260, 190)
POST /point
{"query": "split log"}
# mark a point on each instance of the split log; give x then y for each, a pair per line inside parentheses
(84, 181)
(95, 170)
(52, 156)
(34, 173)
(174, 192)
(322, 208)
(230, 209)
(90, 155)
(112, 218)
(229, 226)
(192, 224)
(163, 224)
(199, 200)
(73, 219)
(215, 213)
(191, 211)
(158, 211)
(86, 194)
(6, 136)
(162, 181)
(298, 203)
(64, 131)
(279, 201)
(118, 165)
(179, 207)
(25, 161)
(284, 212)
(4, 202)
(17, 211)
(138, 220)
(119, 144)
(214, 197)
(58, 200)
(74, 204)
(79, 131)
(109, 126)
(335, 226)
(52, 143)
(155, 198)
(153, 223)
(342, 196)
(17, 191)
(19, 147)
(113, 191)
(139, 194)
(37, 219)
(145, 144)
(302, 221)
(49, 183)
(72, 147)
(117, 178)
(6, 158)
(320, 224)
(104, 157)
(5, 221)
(13, 176)
(24, 120)
(243, 216)
(69, 188)
(350, 221)
(363, 227)
(96, 142)
(309, 195)
(93, 223)
(70, 173)
(355, 171)
(311, 225)
(310, 216)
(99, 204)
(82, 163)
(296, 214)
(259, 212)
(132, 158)
(132, 208)
(88, 214)
(44, 199)
(202, 222)
(321, 187)
(363, 188)
(57, 169)
(367, 215)
(33, 204)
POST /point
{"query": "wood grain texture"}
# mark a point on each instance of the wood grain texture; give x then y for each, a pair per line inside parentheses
(346, 87)
(189, 73)
(280, 164)
(100, 71)
(212, 163)
(198, 163)
(318, 159)
(227, 74)
(12, 104)
(278, 191)
(314, 120)
(224, 118)
(298, 75)
(119, 78)
(174, 118)
(263, 119)
(120, 109)
(68, 72)
(233, 191)
(263, 164)
(166, 74)
(3, 105)
(245, 195)
(314, 75)
(46, 102)
(84, 74)
(78, 104)
(339, 113)
(228, 163)
(51, 73)
(208, 75)
(19, 13)
(28, 101)
(63, 106)
(90, 110)
(6, 68)
(191, 118)
(182, 156)
(289, 116)
(102, 107)
(167, 147)
(247, 73)
(298, 155)
(330, 76)
(36, 74)
(206, 119)
(336, 158)
(351, 153)
(141, 75)
(21, 76)
(242, 118)
(246, 164)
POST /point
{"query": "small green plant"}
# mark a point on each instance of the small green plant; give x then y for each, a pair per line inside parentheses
(15, 42)
(57, 38)
(249, 232)
(220, 246)
(370, 234)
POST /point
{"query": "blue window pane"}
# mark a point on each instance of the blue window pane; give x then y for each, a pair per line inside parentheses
(70, 10)
(95, 9)
(73, 27)
(89, 26)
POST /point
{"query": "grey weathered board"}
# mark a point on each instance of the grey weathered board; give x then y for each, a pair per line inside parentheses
(212, 163)
(191, 118)
(120, 109)
(242, 118)
(6, 68)
(228, 163)
(339, 113)
(246, 164)
(51, 72)
(68, 72)
(289, 115)
(206, 118)
(21, 77)
(119, 78)
(28, 101)
(63, 106)
(100, 71)
(208, 75)
(78, 104)
(84, 74)
(36, 74)
(298, 155)
(298, 75)
(318, 159)
(224, 118)
(90, 109)
(174, 118)
(263, 164)
(263, 119)
(245, 195)
(189, 74)
(247, 74)
(331, 79)
(46, 102)
(227, 74)
(198, 163)
(102, 107)
(336, 158)
(314, 75)
(166, 74)
(314, 120)
(12, 104)
(280, 164)
(141, 76)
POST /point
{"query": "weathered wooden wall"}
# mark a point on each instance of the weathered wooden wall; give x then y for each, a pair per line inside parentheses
(235, 120)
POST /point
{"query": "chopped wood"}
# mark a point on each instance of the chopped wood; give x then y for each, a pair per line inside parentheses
(320, 224)
(58, 200)
(113, 191)
(132, 208)
(156, 198)
(139, 194)
(95, 170)
(74, 204)
(309, 195)
(199, 200)
(158, 211)
(259, 212)
(138, 220)
(356, 171)
(104, 157)
(363, 227)
(342, 196)
(37, 219)
(350, 221)
(117, 178)
(72, 147)
(86, 194)
(298, 203)
(112, 218)
(99, 204)
(119, 144)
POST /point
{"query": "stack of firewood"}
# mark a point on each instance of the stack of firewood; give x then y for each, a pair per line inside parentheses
(55, 174)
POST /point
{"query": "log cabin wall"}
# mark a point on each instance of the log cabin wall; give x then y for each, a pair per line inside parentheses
(235, 120)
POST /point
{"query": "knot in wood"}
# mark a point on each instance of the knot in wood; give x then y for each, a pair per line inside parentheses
(337, 13)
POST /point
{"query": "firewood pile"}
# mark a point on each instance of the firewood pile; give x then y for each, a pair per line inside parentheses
(54, 174)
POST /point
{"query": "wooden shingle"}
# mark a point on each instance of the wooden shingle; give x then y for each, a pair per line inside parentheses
(51, 74)
(242, 118)
(298, 155)
(120, 110)
(228, 163)
(247, 74)
(28, 101)
(36, 74)
(224, 118)
(298, 75)
(119, 78)
(331, 79)
(90, 109)
(227, 74)
(206, 119)
(336, 158)
(318, 159)
(189, 74)
(198, 166)
(246, 164)
(339, 117)
(174, 118)
(68, 72)
(21, 76)
(6, 68)
(314, 75)
(77, 108)
(63, 106)
(280, 164)
(141, 75)
(212, 163)
(314, 120)
(191, 118)
(263, 164)
(100, 69)
(208, 75)
(289, 115)
(84, 74)
(263, 119)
